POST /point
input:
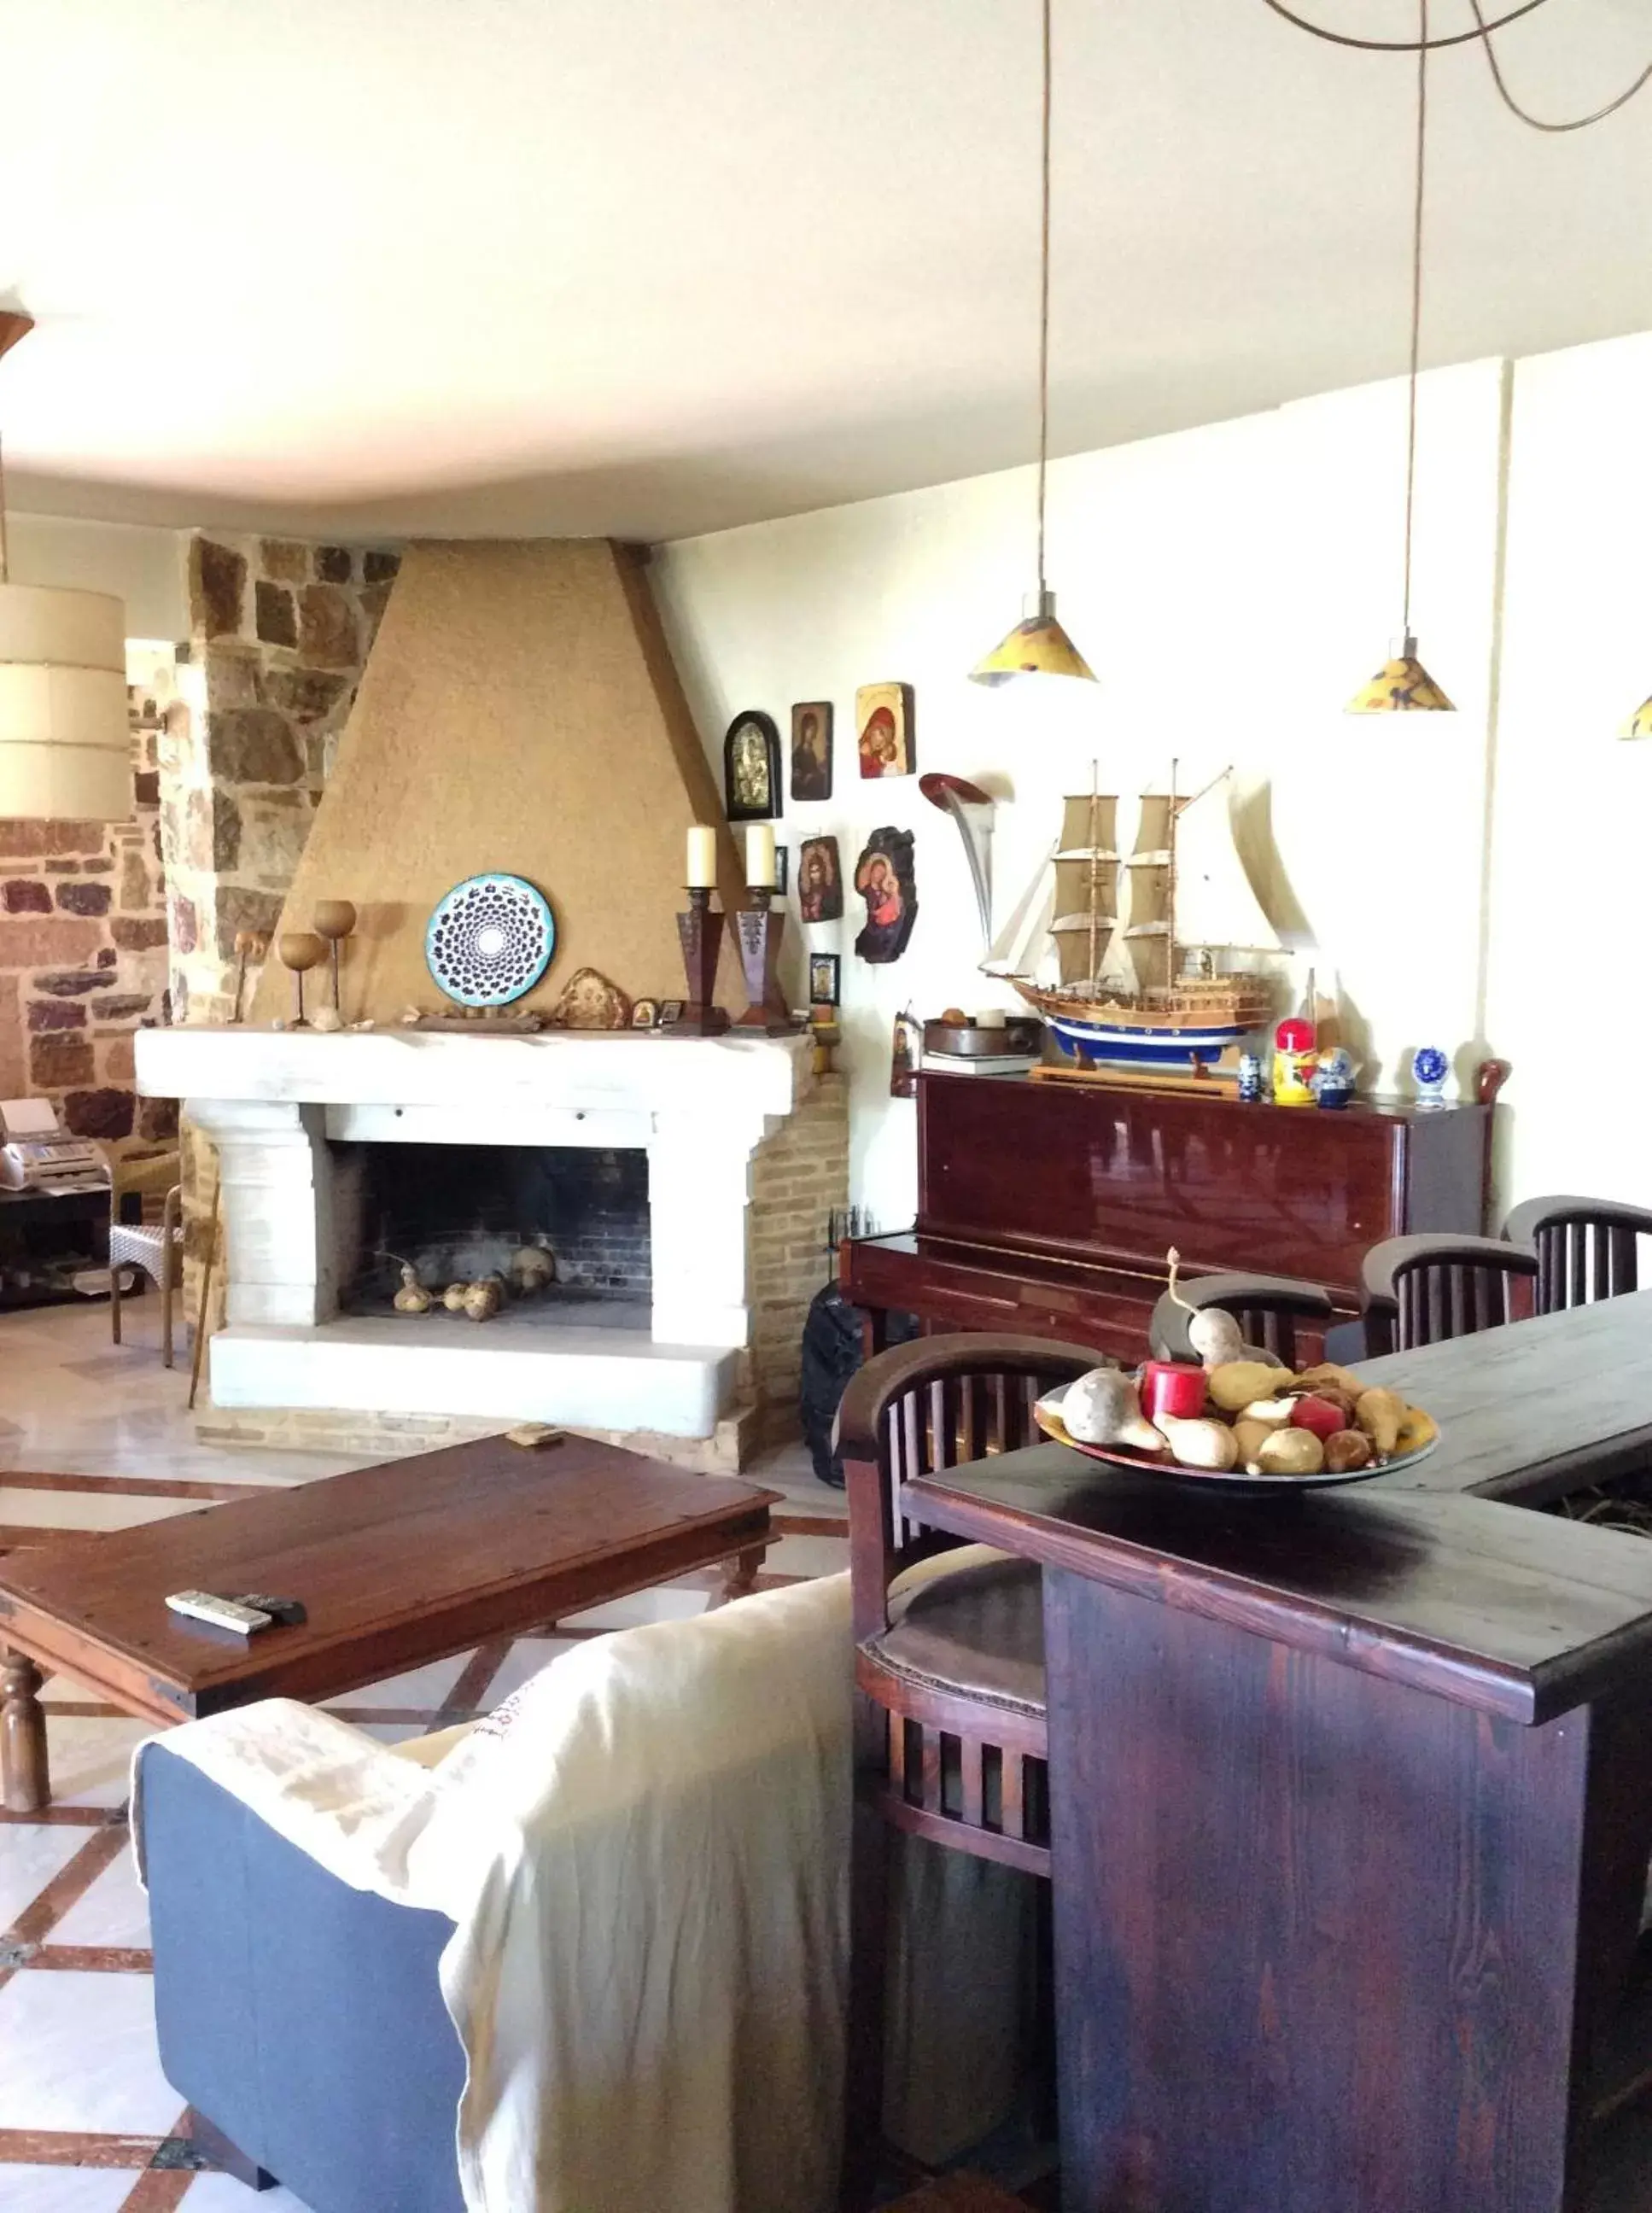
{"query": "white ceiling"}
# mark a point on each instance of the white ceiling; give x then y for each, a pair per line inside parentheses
(653, 267)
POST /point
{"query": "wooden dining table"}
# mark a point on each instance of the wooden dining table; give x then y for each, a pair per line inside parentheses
(1352, 1802)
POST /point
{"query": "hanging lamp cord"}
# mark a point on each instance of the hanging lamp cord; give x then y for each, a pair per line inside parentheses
(1481, 34)
(1044, 299)
(1537, 122)
(1417, 302)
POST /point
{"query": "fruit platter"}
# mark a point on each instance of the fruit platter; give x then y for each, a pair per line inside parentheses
(1238, 1414)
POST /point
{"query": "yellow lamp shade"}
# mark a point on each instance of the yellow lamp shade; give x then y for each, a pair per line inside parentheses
(65, 741)
(1037, 647)
(1401, 687)
(1639, 724)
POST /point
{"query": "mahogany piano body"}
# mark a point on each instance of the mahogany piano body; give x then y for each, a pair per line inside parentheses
(1048, 1208)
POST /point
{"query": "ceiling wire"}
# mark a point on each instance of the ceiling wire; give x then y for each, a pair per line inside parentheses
(1480, 35)
(1416, 302)
(1402, 45)
(1043, 301)
(1538, 122)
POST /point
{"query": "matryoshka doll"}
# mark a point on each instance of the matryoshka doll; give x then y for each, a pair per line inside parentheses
(1293, 1062)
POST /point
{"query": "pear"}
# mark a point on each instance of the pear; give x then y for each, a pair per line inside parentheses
(1102, 1408)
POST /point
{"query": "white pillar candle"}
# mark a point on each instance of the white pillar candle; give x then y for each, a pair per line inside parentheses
(702, 871)
(760, 856)
(990, 1018)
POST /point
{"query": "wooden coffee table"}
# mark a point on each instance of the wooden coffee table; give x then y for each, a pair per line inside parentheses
(396, 1565)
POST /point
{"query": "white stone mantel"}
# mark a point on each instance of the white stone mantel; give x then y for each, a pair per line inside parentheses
(276, 1102)
(583, 1070)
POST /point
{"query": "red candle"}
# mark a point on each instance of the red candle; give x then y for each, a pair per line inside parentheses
(1175, 1387)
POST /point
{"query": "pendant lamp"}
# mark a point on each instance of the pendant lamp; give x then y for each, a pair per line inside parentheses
(65, 742)
(1037, 645)
(1402, 684)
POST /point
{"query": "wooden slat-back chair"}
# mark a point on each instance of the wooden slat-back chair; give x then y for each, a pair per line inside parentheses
(1271, 1310)
(950, 1737)
(1419, 1291)
(1587, 1248)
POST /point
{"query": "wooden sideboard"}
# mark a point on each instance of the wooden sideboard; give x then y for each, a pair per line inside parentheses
(1351, 1804)
(1048, 1208)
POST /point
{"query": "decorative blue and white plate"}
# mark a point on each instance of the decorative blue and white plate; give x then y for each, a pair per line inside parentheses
(489, 940)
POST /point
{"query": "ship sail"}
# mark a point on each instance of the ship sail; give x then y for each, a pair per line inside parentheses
(1086, 885)
(1215, 904)
(1147, 930)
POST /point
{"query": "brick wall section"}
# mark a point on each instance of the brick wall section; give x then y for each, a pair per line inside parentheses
(799, 1175)
(83, 953)
(279, 634)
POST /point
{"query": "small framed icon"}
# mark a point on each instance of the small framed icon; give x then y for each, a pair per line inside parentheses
(824, 970)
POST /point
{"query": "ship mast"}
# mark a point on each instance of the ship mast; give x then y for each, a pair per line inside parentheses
(1090, 971)
(1170, 887)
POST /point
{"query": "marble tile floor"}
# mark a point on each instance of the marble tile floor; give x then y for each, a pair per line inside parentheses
(95, 1437)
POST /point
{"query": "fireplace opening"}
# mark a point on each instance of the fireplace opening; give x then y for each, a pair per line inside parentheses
(459, 1214)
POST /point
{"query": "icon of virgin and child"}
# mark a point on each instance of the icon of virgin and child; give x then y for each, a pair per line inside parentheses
(885, 880)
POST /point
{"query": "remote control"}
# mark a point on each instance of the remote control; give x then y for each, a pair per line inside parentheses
(288, 1612)
(219, 1613)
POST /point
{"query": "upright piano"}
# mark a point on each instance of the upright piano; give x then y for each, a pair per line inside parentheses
(1048, 1208)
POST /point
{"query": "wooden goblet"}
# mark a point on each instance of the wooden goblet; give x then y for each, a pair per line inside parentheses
(334, 919)
(300, 950)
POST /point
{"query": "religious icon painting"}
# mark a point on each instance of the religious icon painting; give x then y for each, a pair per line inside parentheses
(905, 1055)
(811, 750)
(883, 727)
(884, 878)
(823, 974)
(751, 768)
(819, 880)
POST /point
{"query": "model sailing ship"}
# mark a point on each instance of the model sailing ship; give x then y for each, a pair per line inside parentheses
(1136, 933)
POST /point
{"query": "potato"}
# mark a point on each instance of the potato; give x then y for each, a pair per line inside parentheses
(1291, 1451)
(1236, 1382)
(1347, 1450)
(1380, 1413)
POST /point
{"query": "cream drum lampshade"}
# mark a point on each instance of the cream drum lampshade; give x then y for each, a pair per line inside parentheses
(65, 744)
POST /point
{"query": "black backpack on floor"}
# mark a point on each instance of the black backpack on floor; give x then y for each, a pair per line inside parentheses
(831, 1353)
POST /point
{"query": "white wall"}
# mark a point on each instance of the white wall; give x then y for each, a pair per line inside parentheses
(1232, 586)
(1571, 905)
(143, 566)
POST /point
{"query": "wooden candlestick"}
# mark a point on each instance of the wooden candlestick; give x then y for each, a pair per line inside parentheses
(759, 930)
(701, 931)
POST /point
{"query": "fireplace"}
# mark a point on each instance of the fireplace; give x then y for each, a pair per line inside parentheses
(456, 1214)
(682, 1187)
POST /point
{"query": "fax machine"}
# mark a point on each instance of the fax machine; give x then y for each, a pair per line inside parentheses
(38, 1154)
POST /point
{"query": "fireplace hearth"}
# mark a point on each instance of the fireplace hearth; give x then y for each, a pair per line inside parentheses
(683, 1186)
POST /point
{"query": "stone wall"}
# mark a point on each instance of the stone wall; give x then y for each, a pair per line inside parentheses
(279, 635)
(799, 1176)
(84, 952)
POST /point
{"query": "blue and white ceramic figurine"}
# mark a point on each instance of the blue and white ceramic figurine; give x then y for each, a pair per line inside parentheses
(1430, 1068)
(1333, 1080)
(1250, 1078)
